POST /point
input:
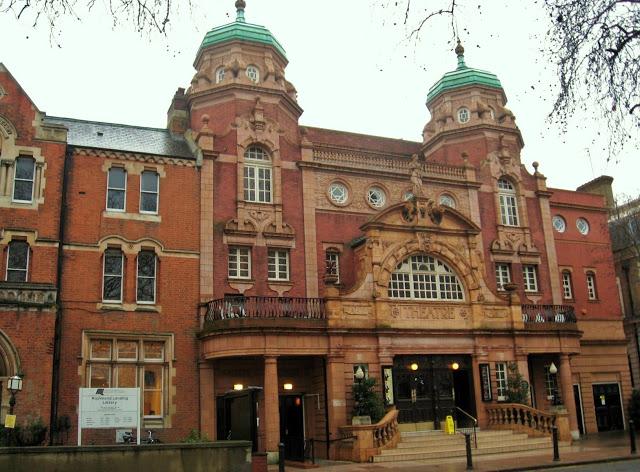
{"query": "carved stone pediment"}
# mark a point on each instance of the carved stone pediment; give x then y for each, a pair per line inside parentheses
(515, 241)
(28, 295)
(421, 213)
(240, 225)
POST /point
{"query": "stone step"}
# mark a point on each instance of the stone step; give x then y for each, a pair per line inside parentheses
(392, 455)
(440, 435)
(416, 447)
(459, 439)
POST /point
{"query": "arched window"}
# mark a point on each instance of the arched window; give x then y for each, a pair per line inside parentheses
(508, 203)
(220, 74)
(257, 175)
(423, 277)
(567, 285)
(592, 290)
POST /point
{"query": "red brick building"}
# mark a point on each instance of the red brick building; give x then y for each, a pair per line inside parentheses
(241, 268)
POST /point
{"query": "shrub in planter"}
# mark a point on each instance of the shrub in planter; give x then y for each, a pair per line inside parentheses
(517, 386)
(33, 433)
(196, 437)
(367, 401)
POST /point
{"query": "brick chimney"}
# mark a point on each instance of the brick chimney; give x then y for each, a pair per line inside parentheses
(178, 115)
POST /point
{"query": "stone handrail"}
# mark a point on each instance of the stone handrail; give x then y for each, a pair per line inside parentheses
(368, 440)
(519, 417)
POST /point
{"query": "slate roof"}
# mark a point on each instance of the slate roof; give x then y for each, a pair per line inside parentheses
(127, 138)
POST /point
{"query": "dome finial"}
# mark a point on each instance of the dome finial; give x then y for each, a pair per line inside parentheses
(460, 53)
(240, 6)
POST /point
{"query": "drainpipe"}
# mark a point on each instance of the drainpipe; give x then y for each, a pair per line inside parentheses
(57, 337)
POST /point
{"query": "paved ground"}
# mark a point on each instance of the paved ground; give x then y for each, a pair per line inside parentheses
(621, 466)
(597, 447)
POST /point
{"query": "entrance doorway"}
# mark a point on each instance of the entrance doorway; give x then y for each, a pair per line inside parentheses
(237, 416)
(608, 407)
(577, 397)
(428, 388)
(292, 426)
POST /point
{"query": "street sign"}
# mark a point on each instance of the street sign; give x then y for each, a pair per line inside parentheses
(109, 408)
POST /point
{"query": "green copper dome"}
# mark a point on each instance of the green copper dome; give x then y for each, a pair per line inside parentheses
(240, 30)
(462, 77)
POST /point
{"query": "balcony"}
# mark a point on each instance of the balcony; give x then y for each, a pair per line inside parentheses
(255, 311)
(545, 317)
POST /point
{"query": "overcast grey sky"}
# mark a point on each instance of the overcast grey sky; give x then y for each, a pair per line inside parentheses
(349, 60)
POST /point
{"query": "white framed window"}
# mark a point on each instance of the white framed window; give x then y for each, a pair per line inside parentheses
(530, 278)
(146, 278)
(551, 385)
(278, 264)
(501, 380)
(376, 197)
(338, 193)
(253, 73)
(559, 224)
(508, 203)
(123, 362)
(117, 189)
(257, 175)
(23, 179)
(332, 259)
(503, 275)
(17, 261)
(149, 192)
(447, 200)
(567, 288)
(423, 277)
(583, 226)
(220, 74)
(239, 263)
(112, 276)
(463, 115)
(591, 286)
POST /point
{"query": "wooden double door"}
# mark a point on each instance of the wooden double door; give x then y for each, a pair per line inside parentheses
(429, 388)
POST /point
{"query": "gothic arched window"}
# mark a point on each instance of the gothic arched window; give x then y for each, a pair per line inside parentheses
(423, 277)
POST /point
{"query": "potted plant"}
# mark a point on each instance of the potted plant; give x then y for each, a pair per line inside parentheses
(368, 407)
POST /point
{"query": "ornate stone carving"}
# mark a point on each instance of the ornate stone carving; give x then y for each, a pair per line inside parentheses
(427, 312)
(27, 295)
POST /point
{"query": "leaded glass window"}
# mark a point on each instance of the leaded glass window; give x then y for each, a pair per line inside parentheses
(423, 277)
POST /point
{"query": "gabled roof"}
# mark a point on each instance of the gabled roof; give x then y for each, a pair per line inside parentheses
(119, 137)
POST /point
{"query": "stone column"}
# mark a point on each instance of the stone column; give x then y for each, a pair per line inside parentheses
(271, 415)
(566, 385)
(207, 400)
(336, 396)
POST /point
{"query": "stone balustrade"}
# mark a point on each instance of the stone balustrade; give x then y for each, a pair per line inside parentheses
(525, 419)
(362, 442)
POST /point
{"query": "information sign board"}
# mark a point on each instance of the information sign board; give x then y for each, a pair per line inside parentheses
(109, 408)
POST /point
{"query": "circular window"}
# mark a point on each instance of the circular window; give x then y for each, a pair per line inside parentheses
(253, 74)
(376, 197)
(447, 200)
(407, 196)
(463, 115)
(219, 75)
(582, 225)
(559, 224)
(338, 193)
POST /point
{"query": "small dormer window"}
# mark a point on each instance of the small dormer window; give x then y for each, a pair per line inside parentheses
(219, 75)
(253, 74)
(463, 115)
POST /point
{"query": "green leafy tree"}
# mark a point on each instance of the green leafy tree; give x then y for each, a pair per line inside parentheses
(367, 401)
(517, 386)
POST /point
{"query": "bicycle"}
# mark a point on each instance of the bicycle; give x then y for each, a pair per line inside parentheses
(129, 438)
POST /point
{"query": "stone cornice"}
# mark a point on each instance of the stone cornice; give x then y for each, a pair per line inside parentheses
(132, 156)
(28, 295)
(574, 206)
(467, 131)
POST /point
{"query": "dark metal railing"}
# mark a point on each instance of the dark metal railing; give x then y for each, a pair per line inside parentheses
(548, 314)
(264, 307)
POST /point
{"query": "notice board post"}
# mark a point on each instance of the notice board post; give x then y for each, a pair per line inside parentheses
(108, 408)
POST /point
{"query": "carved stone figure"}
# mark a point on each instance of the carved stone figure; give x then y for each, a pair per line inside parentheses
(416, 175)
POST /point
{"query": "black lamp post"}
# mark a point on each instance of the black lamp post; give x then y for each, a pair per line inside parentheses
(14, 386)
